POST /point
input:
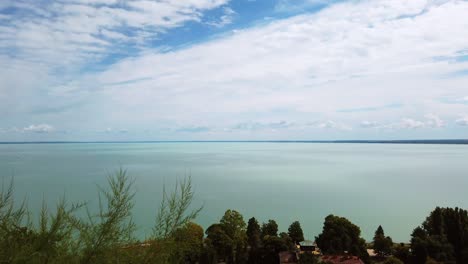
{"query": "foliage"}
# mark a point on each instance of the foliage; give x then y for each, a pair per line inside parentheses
(287, 240)
(173, 210)
(218, 241)
(60, 236)
(431, 261)
(443, 236)
(189, 241)
(382, 245)
(392, 260)
(112, 226)
(308, 258)
(295, 232)
(272, 245)
(253, 240)
(234, 226)
(253, 233)
(228, 239)
(270, 228)
(402, 252)
(340, 235)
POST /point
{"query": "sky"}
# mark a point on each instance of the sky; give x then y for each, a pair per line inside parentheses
(85, 70)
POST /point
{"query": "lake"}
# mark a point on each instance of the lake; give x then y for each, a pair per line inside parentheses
(393, 185)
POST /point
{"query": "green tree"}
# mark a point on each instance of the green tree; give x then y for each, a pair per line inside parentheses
(270, 228)
(113, 225)
(173, 212)
(189, 240)
(253, 233)
(419, 245)
(443, 236)
(392, 260)
(295, 232)
(382, 245)
(234, 226)
(272, 246)
(253, 240)
(218, 241)
(340, 235)
(287, 240)
(402, 252)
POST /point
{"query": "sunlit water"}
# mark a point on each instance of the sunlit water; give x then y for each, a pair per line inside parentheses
(393, 185)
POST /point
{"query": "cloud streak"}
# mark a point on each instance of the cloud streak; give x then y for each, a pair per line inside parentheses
(40, 128)
(349, 62)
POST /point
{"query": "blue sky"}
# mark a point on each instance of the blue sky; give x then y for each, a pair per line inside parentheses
(233, 69)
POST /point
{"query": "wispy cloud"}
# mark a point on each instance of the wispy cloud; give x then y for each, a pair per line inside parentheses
(296, 6)
(370, 108)
(349, 62)
(330, 124)
(64, 33)
(225, 19)
(40, 128)
(193, 129)
(462, 121)
(429, 121)
(262, 125)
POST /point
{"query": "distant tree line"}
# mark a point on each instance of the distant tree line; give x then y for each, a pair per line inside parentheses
(64, 235)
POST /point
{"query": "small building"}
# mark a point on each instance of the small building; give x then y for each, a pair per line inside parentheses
(308, 246)
(335, 259)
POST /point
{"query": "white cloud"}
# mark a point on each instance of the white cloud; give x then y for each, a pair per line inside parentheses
(262, 125)
(292, 6)
(347, 56)
(433, 120)
(226, 19)
(40, 128)
(74, 32)
(369, 124)
(429, 121)
(332, 125)
(111, 130)
(462, 121)
(305, 61)
(464, 99)
(411, 123)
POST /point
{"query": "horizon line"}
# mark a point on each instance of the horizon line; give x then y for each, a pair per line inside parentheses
(362, 141)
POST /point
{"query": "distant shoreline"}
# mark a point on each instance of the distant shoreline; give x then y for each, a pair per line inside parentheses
(422, 141)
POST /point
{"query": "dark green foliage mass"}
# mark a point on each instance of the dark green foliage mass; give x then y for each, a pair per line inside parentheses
(443, 237)
(402, 252)
(253, 240)
(270, 228)
(253, 233)
(287, 240)
(295, 232)
(382, 244)
(272, 246)
(189, 240)
(228, 239)
(218, 241)
(392, 260)
(308, 258)
(339, 235)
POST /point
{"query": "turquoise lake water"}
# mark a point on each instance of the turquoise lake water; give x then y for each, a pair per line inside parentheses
(393, 185)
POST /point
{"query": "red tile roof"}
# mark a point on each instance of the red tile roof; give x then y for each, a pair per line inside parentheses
(342, 259)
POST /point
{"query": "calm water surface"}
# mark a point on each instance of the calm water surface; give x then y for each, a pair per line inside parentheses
(370, 184)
